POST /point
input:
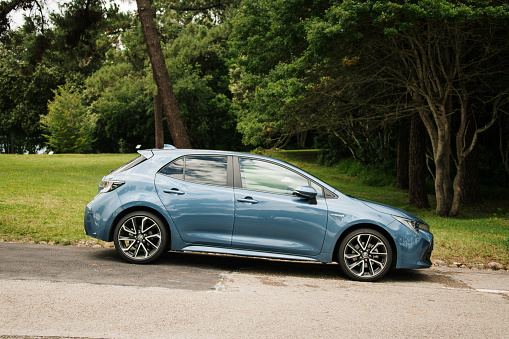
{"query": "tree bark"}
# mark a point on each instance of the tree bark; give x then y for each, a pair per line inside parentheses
(402, 175)
(161, 76)
(417, 194)
(158, 122)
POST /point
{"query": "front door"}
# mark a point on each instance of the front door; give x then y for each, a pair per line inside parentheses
(268, 217)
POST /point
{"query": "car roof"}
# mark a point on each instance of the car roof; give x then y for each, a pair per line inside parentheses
(175, 153)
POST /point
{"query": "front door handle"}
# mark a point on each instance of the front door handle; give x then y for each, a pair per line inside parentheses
(174, 191)
(248, 200)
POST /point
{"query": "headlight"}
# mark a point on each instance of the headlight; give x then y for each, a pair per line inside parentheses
(109, 185)
(414, 225)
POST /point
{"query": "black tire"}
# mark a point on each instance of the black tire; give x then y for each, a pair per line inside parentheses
(140, 237)
(365, 255)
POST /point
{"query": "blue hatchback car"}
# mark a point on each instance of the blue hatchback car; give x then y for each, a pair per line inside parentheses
(250, 205)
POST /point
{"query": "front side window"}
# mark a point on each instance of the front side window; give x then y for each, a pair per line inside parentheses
(209, 170)
(264, 176)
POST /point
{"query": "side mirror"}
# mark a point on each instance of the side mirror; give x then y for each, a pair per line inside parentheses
(307, 192)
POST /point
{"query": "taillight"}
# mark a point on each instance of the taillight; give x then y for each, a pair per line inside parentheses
(109, 185)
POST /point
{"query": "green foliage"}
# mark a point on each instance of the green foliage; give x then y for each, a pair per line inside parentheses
(196, 58)
(69, 124)
(37, 58)
(368, 175)
(125, 111)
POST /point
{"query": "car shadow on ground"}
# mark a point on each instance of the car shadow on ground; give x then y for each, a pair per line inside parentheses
(262, 266)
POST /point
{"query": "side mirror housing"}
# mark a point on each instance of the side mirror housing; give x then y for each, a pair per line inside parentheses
(307, 192)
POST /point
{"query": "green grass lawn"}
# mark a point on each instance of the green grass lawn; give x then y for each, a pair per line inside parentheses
(42, 198)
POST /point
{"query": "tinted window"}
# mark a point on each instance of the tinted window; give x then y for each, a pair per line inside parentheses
(201, 169)
(206, 170)
(175, 169)
(264, 176)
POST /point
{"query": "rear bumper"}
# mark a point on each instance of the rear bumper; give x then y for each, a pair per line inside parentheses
(100, 214)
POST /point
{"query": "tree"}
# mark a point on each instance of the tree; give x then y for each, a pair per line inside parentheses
(161, 77)
(69, 124)
(121, 99)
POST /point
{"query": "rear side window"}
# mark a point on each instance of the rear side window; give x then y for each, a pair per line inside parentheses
(208, 170)
(136, 161)
(174, 169)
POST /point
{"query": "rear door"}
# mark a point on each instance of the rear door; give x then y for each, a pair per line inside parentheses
(197, 193)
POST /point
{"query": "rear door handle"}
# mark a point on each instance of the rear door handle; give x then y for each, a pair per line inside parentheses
(174, 191)
(248, 200)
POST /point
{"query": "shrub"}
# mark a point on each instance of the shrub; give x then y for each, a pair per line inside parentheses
(69, 124)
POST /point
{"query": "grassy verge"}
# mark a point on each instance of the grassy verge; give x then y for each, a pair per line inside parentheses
(42, 198)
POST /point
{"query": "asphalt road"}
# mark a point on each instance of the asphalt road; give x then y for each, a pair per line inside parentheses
(56, 291)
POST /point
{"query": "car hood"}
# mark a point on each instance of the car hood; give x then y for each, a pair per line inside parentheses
(389, 210)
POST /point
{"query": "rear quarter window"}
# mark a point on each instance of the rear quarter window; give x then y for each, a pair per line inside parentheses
(132, 163)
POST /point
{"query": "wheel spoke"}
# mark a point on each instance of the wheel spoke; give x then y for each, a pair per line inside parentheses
(355, 264)
(370, 266)
(143, 230)
(128, 230)
(353, 249)
(129, 247)
(137, 250)
(352, 256)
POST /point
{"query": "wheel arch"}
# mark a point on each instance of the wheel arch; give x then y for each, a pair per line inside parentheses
(370, 226)
(140, 208)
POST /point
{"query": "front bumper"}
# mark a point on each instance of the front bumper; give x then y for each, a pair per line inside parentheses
(415, 252)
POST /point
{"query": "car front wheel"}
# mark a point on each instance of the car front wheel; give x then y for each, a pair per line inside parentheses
(140, 237)
(365, 255)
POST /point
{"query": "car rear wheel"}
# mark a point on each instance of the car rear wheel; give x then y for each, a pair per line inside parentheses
(140, 237)
(365, 255)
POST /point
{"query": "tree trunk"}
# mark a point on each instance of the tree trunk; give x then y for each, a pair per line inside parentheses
(301, 139)
(158, 122)
(402, 162)
(161, 76)
(417, 194)
(438, 127)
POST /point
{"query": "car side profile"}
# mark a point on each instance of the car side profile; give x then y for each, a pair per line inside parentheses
(249, 205)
